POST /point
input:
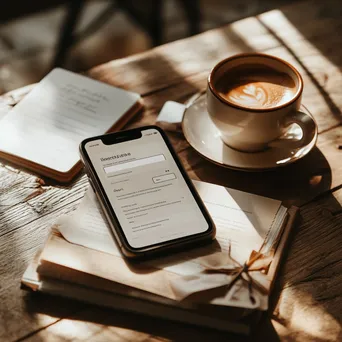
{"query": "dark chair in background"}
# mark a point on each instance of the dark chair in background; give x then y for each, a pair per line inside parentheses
(147, 14)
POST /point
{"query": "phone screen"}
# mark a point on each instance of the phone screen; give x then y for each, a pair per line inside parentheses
(146, 189)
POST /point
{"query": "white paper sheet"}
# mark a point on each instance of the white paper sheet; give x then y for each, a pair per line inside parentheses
(242, 220)
(47, 126)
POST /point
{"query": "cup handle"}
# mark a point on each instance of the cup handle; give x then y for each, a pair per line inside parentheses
(306, 123)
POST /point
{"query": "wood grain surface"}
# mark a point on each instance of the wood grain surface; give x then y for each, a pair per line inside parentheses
(307, 300)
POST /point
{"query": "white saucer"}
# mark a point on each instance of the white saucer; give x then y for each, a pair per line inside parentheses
(205, 138)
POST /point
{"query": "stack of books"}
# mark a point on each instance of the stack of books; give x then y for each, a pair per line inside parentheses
(80, 260)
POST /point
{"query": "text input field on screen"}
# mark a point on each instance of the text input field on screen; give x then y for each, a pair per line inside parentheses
(134, 163)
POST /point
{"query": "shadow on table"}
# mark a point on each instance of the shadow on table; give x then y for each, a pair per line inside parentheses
(38, 303)
(294, 184)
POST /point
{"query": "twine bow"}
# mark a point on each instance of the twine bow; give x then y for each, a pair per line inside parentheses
(218, 272)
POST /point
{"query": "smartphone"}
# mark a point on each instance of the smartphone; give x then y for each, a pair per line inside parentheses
(148, 199)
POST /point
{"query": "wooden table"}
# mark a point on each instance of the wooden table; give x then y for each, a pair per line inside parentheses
(307, 299)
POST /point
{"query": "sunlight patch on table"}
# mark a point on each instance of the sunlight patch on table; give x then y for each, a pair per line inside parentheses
(72, 330)
(253, 35)
(301, 313)
(282, 27)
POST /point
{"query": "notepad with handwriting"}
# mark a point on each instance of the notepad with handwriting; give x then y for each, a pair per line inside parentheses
(43, 131)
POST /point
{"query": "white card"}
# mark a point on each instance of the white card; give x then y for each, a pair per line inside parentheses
(172, 112)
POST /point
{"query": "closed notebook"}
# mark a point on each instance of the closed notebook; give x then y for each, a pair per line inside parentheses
(80, 260)
(43, 131)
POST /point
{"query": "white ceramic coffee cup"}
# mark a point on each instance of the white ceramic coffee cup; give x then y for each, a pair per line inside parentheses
(254, 129)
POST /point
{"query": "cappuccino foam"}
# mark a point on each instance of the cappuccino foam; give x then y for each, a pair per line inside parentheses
(256, 86)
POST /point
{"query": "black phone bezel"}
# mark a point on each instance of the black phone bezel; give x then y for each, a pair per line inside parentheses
(128, 135)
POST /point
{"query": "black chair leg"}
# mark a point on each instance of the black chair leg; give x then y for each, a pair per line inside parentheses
(193, 13)
(66, 36)
(156, 29)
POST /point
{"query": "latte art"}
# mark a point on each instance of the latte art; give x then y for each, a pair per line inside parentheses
(250, 95)
(257, 88)
(259, 95)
